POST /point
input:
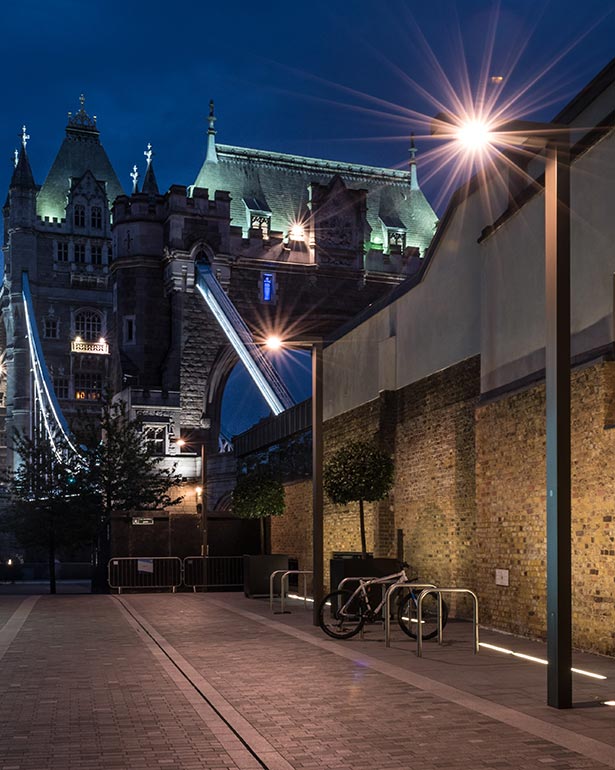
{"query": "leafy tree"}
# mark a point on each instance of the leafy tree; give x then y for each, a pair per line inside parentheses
(51, 502)
(359, 472)
(125, 475)
(258, 494)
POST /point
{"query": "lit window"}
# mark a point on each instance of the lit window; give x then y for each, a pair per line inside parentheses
(96, 217)
(268, 283)
(88, 386)
(80, 253)
(154, 437)
(260, 223)
(88, 325)
(79, 215)
(397, 240)
(96, 252)
(62, 251)
(50, 328)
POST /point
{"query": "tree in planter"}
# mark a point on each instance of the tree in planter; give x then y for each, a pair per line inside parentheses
(359, 472)
(125, 475)
(258, 494)
(52, 503)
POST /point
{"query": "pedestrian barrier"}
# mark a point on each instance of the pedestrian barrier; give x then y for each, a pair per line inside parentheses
(285, 575)
(390, 592)
(213, 572)
(170, 572)
(145, 572)
(439, 592)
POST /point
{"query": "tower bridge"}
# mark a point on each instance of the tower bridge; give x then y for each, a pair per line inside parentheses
(158, 295)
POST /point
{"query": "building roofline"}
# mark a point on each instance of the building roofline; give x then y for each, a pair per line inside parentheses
(303, 164)
(587, 95)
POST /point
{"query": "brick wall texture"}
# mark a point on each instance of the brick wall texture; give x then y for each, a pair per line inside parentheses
(469, 495)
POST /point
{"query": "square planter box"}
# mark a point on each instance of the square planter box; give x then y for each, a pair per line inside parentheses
(256, 572)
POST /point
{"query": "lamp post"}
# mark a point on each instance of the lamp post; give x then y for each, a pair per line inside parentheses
(316, 346)
(200, 490)
(555, 142)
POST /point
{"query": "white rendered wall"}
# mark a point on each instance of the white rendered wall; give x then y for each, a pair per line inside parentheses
(433, 326)
(513, 285)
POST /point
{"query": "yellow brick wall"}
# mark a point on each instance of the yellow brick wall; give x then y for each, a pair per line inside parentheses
(511, 500)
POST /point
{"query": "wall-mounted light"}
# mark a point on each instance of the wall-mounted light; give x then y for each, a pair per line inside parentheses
(297, 232)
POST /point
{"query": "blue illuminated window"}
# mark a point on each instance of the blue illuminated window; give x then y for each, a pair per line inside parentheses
(267, 287)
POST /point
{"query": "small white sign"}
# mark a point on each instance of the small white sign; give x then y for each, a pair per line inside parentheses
(145, 565)
(501, 577)
(141, 521)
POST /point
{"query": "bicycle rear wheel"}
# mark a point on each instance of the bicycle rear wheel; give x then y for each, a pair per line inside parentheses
(340, 618)
(407, 616)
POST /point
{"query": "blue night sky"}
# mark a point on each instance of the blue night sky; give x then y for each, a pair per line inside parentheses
(332, 79)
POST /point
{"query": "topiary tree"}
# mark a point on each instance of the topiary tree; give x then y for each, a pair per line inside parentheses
(258, 494)
(359, 472)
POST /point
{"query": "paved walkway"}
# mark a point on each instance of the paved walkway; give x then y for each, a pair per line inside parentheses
(215, 681)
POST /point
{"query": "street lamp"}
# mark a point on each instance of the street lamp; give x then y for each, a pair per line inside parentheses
(555, 141)
(316, 345)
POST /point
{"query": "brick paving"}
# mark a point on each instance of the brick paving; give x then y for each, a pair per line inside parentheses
(214, 681)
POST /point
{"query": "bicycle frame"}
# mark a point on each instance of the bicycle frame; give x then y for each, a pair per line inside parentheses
(398, 578)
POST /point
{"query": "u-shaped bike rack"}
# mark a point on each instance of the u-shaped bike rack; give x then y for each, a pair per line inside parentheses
(390, 592)
(439, 592)
(285, 574)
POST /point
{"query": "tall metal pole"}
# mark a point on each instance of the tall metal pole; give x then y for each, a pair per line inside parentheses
(557, 270)
(317, 493)
(204, 546)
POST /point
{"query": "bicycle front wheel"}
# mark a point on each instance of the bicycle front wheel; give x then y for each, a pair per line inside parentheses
(407, 617)
(339, 617)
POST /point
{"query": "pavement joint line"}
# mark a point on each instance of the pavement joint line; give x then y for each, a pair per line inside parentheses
(13, 625)
(251, 745)
(580, 744)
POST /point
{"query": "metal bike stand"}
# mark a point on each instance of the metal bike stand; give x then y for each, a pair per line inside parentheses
(439, 592)
(387, 607)
(271, 579)
(285, 573)
(285, 576)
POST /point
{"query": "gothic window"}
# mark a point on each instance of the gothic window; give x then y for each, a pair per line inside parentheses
(80, 253)
(96, 253)
(96, 217)
(154, 437)
(88, 325)
(88, 386)
(79, 215)
(259, 216)
(60, 385)
(261, 222)
(397, 240)
(50, 328)
(62, 251)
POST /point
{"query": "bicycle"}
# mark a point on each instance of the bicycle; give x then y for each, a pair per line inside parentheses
(342, 614)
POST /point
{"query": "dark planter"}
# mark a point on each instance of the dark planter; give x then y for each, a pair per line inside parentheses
(353, 567)
(257, 570)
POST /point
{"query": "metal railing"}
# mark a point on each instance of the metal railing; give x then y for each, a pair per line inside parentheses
(387, 616)
(285, 575)
(213, 572)
(439, 592)
(145, 572)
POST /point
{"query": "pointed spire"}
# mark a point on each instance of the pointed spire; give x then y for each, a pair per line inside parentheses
(414, 180)
(212, 155)
(81, 122)
(134, 175)
(150, 185)
(22, 173)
